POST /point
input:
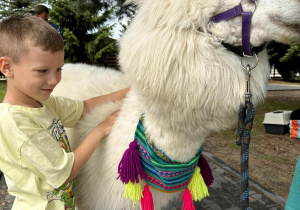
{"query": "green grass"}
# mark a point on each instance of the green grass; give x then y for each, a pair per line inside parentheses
(258, 127)
(276, 160)
(269, 106)
(2, 90)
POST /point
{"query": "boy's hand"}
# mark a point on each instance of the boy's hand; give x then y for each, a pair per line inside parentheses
(84, 151)
(106, 126)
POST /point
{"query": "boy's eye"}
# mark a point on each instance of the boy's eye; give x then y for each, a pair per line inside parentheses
(42, 71)
(59, 69)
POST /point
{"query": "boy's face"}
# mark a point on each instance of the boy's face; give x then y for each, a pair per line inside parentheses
(36, 75)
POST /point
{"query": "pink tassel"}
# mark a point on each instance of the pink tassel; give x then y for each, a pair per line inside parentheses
(130, 167)
(187, 200)
(147, 200)
(205, 171)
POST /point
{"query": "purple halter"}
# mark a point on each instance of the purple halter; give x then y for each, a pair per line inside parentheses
(246, 24)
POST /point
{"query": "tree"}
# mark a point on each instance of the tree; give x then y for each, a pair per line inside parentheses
(124, 10)
(86, 29)
(9, 7)
(285, 58)
(293, 53)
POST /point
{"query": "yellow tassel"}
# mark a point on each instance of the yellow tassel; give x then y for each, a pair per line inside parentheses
(197, 186)
(133, 191)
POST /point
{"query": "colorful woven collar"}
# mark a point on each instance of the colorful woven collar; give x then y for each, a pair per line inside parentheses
(143, 161)
(161, 172)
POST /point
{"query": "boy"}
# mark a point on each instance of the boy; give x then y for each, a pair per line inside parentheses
(35, 155)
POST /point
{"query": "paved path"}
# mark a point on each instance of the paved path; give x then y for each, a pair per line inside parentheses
(6, 199)
(224, 192)
(283, 87)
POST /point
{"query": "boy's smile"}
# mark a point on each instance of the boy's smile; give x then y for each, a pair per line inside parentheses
(34, 77)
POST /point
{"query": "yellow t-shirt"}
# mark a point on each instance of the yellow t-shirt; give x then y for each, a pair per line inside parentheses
(35, 155)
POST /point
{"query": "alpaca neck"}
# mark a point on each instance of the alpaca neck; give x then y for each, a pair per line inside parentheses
(179, 138)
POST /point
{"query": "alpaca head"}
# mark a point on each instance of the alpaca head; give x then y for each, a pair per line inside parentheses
(272, 20)
(171, 55)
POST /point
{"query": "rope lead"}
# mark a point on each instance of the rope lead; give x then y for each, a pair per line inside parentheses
(246, 117)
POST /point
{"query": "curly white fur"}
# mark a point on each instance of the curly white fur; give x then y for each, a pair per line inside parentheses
(185, 83)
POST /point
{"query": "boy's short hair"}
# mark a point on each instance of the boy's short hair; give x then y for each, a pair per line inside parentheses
(18, 33)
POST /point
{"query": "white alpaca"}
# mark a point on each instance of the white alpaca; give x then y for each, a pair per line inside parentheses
(186, 84)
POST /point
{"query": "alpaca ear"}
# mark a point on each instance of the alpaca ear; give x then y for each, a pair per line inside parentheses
(5, 67)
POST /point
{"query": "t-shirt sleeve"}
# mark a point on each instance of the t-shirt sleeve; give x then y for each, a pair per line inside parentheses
(69, 111)
(42, 155)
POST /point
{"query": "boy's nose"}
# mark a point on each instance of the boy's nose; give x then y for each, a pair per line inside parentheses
(54, 80)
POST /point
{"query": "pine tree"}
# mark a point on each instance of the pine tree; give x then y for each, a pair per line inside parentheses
(86, 31)
(293, 53)
(9, 7)
(285, 58)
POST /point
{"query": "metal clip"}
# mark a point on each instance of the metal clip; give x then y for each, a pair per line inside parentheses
(248, 92)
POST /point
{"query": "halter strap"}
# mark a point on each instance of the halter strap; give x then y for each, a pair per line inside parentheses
(246, 28)
(246, 24)
(231, 13)
(238, 50)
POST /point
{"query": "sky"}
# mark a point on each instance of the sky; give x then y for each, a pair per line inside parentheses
(117, 29)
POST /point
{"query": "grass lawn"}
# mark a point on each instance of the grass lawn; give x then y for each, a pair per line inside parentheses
(2, 90)
(258, 127)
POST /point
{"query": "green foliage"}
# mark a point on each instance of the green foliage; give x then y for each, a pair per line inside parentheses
(85, 24)
(86, 29)
(285, 58)
(282, 53)
(2, 90)
(77, 18)
(292, 53)
(71, 45)
(9, 7)
(100, 45)
(124, 10)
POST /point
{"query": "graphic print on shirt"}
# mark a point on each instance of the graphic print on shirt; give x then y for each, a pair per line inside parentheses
(59, 134)
(64, 193)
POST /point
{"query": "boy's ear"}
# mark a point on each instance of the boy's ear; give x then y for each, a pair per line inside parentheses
(5, 67)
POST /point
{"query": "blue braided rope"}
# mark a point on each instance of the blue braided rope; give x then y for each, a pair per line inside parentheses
(246, 117)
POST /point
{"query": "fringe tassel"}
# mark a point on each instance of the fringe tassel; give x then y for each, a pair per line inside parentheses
(197, 186)
(130, 167)
(133, 191)
(205, 171)
(147, 200)
(187, 200)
